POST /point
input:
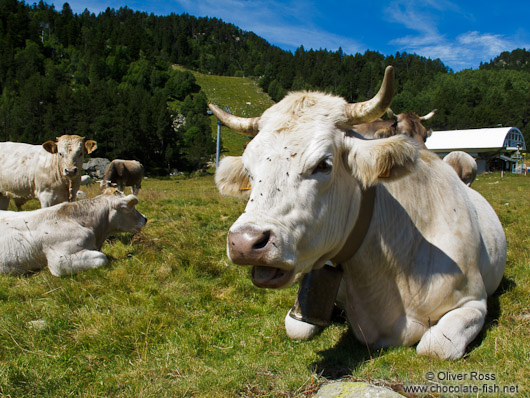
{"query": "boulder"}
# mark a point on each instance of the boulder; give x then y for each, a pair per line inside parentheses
(347, 389)
(96, 167)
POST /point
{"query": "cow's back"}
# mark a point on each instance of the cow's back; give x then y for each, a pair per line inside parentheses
(19, 163)
(133, 172)
(21, 242)
(126, 172)
(111, 173)
(453, 218)
(430, 236)
(493, 251)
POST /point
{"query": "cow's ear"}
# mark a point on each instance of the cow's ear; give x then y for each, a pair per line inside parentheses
(50, 146)
(90, 146)
(231, 177)
(386, 159)
(128, 202)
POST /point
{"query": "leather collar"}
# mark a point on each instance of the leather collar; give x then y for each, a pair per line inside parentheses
(358, 233)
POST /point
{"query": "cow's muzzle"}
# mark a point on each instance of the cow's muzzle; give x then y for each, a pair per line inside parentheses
(249, 245)
(70, 172)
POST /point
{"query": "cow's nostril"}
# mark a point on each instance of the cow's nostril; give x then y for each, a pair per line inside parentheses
(262, 241)
(250, 245)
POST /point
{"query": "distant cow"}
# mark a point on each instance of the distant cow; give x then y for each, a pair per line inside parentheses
(407, 123)
(49, 172)
(124, 173)
(67, 237)
(464, 165)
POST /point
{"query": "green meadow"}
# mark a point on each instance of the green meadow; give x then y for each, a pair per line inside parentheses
(170, 316)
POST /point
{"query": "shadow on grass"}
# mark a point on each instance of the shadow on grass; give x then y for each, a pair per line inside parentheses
(124, 238)
(342, 359)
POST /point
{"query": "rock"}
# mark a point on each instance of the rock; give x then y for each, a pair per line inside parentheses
(354, 390)
(38, 324)
(96, 167)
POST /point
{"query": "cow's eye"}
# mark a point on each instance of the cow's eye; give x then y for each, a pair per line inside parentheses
(325, 166)
(61, 154)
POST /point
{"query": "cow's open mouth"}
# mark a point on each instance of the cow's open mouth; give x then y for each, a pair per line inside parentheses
(270, 277)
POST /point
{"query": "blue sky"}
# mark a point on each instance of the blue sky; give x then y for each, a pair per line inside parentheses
(460, 33)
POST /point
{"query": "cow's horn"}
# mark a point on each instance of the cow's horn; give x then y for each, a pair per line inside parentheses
(367, 111)
(243, 125)
(428, 115)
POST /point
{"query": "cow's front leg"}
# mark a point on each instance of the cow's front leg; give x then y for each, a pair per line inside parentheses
(49, 198)
(314, 303)
(62, 264)
(454, 331)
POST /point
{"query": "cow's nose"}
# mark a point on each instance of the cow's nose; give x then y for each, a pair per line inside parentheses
(70, 172)
(249, 245)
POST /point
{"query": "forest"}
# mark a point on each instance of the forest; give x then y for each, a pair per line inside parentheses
(111, 77)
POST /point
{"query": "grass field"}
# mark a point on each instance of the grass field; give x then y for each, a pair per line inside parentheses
(171, 317)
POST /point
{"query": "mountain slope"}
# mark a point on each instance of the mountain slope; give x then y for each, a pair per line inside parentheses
(243, 96)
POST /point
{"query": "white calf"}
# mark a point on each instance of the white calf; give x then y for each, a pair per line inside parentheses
(67, 237)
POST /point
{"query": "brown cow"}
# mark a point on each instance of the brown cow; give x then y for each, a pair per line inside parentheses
(407, 123)
(124, 173)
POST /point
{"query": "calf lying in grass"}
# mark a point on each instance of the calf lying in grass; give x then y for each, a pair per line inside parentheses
(67, 237)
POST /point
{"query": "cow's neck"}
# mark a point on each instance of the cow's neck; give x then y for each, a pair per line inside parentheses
(102, 227)
(92, 214)
(359, 230)
(68, 185)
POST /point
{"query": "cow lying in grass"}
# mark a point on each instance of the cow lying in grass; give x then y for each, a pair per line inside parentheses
(67, 237)
(420, 251)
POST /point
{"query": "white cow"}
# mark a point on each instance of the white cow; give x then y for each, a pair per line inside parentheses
(67, 237)
(49, 172)
(420, 250)
(464, 165)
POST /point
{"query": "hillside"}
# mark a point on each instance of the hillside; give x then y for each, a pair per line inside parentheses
(245, 98)
(110, 77)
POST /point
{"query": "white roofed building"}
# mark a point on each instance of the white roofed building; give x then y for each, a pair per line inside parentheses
(491, 147)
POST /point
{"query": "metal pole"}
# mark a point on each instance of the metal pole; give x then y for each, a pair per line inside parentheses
(218, 149)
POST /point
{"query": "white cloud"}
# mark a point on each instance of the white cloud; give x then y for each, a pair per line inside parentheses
(465, 50)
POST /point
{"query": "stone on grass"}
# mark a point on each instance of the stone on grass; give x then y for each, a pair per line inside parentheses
(350, 389)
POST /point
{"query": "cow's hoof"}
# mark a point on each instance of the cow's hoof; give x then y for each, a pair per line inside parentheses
(436, 344)
(299, 330)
